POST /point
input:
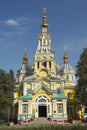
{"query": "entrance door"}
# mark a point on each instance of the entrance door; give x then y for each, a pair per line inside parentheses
(42, 111)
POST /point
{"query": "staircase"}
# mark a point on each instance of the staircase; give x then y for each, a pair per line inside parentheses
(40, 121)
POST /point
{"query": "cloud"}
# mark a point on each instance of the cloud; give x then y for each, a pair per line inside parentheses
(18, 21)
(12, 22)
(12, 27)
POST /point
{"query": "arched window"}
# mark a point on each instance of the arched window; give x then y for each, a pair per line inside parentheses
(49, 64)
(42, 100)
(44, 64)
(38, 65)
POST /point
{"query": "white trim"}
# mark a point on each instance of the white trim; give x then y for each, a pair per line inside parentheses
(46, 102)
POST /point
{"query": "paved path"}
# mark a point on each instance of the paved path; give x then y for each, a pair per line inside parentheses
(41, 121)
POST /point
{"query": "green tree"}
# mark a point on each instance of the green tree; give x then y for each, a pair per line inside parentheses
(12, 86)
(81, 74)
(7, 83)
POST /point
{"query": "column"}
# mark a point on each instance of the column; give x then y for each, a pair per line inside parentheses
(62, 86)
(29, 108)
(65, 108)
(20, 107)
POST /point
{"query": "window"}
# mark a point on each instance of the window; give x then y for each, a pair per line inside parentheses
(49, 64)
(70, 110)
(42, 100)
(59, 108)
(67, 77)
(59, 91)
(44, 64)
(25, 108)
(43, 41)
(38, 65)
(73, 78)
(69, 95)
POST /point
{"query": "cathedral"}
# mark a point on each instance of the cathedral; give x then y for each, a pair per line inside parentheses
(45, 89)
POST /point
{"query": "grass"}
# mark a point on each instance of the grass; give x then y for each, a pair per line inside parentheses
(51, 127)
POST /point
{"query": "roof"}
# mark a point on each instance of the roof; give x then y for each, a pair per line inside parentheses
(59, 96)
(25, 97)
(43, 86)
(66, 67)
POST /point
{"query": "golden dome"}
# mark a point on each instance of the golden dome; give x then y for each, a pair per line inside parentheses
(44, 24)
(65, 57)
(25, 58)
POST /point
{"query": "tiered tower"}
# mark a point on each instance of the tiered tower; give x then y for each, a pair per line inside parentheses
(44, 56)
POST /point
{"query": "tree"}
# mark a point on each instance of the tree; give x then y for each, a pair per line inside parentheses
(12, 86)
(7, 83)
(81, 74)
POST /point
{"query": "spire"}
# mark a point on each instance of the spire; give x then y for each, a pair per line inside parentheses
(25, 58)
(65, 57)
(44, 23)
(44, 39)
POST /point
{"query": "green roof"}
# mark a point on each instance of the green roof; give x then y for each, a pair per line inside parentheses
(59, 96)
(25, 97)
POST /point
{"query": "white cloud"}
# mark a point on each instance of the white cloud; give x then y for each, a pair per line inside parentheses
(11, 22)
(14, 27)
(18, 21)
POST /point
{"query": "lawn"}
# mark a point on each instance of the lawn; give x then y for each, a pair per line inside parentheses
(51, 127)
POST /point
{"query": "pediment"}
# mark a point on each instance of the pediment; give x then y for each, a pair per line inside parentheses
(43, 87)
(43, 76)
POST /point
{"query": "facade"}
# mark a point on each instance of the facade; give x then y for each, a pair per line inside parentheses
(45, 89)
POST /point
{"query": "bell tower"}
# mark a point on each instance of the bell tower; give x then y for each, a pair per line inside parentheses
(44, 56)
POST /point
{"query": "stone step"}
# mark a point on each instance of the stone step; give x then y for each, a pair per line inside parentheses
(40, 121)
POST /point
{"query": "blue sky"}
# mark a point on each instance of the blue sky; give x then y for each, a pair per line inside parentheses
(20, 22)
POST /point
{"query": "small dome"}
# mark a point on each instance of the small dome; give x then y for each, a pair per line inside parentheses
(66, 67)
(25, 57)
(44, 24)
(24, 67)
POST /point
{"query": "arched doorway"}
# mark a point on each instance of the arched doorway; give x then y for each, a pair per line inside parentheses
(41, 106)
(42, 111)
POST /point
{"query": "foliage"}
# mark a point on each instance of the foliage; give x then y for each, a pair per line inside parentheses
(7, 83)
(81, 74)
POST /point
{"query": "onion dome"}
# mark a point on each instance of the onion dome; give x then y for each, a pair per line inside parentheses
(65, 57)
(44, 23)
(66, 67)
(25, 58)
